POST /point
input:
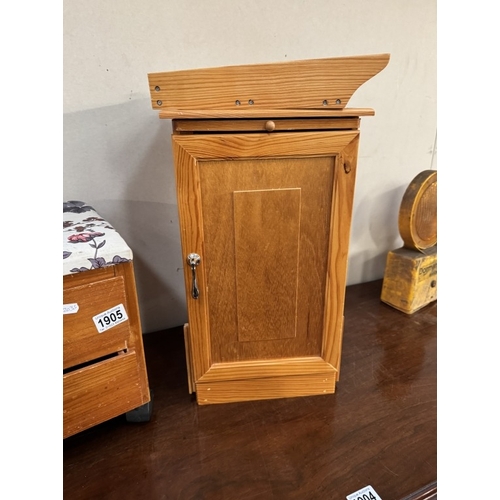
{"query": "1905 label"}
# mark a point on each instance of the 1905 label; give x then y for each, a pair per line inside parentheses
(110, 318)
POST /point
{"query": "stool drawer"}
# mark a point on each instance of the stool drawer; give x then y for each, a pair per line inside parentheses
(102, 391)
(82, 341)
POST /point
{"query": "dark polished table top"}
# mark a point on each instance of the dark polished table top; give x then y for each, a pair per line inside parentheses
(378, 429)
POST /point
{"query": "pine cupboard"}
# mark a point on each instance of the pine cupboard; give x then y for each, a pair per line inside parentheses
(265, 161)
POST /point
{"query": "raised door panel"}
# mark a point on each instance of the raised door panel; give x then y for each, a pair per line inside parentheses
(266, 229)
(269, 214)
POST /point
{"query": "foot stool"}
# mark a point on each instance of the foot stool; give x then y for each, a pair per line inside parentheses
(104, 369)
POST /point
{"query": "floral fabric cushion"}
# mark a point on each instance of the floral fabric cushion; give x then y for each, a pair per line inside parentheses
(89, 241)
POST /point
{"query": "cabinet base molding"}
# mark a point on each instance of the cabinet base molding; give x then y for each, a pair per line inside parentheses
(232, 391)
(260, 379)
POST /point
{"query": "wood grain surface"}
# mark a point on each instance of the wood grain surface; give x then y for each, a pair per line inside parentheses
(82, 341)
(104, 374)
(269, 215)
(313, 83)
(417, 220)
(266, 225)
(379, 428)
(251, 112)
(256, 124)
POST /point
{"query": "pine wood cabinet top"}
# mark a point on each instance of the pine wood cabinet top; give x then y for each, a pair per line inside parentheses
(314, 87)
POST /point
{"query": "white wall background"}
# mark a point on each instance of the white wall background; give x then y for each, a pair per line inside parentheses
(117, 154)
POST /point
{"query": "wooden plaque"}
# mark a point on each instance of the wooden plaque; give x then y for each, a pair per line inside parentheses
(418, 212)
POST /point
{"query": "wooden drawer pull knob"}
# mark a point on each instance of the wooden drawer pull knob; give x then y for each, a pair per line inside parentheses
(270, 126)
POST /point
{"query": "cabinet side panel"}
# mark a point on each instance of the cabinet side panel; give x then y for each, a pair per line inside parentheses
(267, 230)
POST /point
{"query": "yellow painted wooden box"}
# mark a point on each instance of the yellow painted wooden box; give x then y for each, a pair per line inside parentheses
(410, 280)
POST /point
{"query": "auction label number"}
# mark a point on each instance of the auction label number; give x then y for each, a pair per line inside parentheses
(366, 493)
(70, 308)
(110, 318)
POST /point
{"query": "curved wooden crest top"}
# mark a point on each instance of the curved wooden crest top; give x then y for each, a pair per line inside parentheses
(324, 85)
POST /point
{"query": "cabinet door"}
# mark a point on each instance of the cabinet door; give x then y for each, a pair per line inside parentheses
(269, 215)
